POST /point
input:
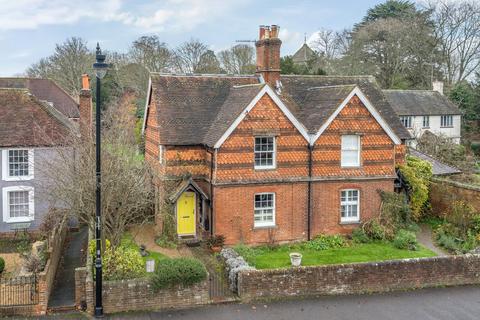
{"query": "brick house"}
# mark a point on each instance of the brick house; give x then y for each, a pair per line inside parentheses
(269, 157)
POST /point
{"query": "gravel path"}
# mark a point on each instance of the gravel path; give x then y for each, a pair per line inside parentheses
(424, 237)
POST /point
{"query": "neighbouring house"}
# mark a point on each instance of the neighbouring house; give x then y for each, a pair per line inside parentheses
(35, 118)
(267, 157)
(426, 110)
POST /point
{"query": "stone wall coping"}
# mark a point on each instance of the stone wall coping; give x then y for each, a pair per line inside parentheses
(289, 270)
(456, 183)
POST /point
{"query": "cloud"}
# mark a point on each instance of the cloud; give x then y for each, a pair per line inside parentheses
(31, 14)
(150, 16)
(289, 37)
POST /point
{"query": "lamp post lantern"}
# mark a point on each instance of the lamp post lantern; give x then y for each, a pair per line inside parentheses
(100, 68)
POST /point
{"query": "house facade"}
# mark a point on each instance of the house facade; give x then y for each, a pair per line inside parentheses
(36, 116)
(270, 158)
(426, 110)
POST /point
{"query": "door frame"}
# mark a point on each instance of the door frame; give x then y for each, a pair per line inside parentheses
(194, 215)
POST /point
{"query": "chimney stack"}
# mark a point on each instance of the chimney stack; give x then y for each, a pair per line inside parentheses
(268, 54)
(437, 86)
(85, 108)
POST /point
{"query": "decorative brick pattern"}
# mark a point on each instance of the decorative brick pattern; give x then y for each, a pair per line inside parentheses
(357, 278)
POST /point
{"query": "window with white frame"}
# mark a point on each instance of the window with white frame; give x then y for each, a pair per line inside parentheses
(426, 122)
(406, 121)
(264, 214)
(17, 164)
(264, 152)
(350, 151)
(350, 205)
(446, 121)
(18, 204)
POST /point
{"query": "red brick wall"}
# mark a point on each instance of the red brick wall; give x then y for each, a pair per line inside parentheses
(357, 278)
(326, 203)
(235, 158)
(234, 209)
(377, 156)
(152, 136)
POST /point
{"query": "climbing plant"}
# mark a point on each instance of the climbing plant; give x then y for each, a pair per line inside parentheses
(417, 174)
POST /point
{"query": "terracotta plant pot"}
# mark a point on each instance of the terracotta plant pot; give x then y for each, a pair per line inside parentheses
(296, 259)
(216, 249)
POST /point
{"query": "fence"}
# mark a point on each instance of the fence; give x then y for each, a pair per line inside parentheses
(19, 291)
(28, 295)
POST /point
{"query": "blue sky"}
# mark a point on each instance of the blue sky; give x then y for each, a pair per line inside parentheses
(29, 29)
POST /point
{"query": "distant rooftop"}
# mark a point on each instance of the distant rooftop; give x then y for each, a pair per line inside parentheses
(420, 102)
(438, 168)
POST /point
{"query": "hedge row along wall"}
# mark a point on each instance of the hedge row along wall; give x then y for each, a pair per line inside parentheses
(360, 278)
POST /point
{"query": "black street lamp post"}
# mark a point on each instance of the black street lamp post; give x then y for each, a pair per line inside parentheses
(100, 68)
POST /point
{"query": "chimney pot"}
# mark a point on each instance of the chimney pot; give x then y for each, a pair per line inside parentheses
(274, 31)
(85, 82)
(262, 32)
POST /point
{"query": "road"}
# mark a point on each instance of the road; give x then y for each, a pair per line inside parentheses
(439, 303)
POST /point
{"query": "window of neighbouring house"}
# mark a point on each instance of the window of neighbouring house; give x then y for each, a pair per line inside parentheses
(406, 121)
(350, 151)
(18, 204)
(349, 205)
(17, 164)
(426, 122)
(264, 152)
(264, 214)
(446, 121)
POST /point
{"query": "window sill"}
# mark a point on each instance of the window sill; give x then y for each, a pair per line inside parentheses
(449, 127)
(349, 222)
(351, 167)
(265, 169)
(19, 220)
(273, 226)
(25, 178)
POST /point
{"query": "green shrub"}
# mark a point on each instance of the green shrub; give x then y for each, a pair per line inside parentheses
(92, 246)
(359, 236)
(246, 252)
(374, 230)
(165, 242)
(123, 263)
(405, 240)
(447, 241)
(324, 242)
(183, 271)
(417, 174)
(2, 264)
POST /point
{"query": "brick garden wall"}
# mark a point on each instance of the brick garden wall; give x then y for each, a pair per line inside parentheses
(360, 278)
(444, 192)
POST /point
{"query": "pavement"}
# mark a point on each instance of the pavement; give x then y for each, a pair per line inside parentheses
(63, 293)
(452, 303)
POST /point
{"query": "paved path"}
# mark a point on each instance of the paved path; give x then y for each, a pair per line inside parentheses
(454, 303)
(64, 289)
(424, 237)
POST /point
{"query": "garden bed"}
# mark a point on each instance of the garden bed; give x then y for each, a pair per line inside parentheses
(278, 257)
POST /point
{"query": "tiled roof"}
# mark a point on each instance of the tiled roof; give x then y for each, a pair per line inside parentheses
(188, 105)
(298, 87)
(420, 102)
(438, 168)
(27, 121)
(198, 109)
(45, 90)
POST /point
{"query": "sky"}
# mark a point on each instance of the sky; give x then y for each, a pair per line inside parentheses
(29, 29)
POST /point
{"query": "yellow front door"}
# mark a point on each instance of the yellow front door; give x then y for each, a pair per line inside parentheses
(186, 214)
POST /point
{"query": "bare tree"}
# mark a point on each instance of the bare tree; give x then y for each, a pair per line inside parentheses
(239, 59)
(69, 61)
(151, 53)
(188, 56)
(457, 30)
(127, 195)
(326, 43)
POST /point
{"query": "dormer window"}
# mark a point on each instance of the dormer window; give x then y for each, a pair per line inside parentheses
(17, 164)
(265, 153)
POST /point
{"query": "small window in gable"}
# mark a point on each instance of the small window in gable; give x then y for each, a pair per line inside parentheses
(350, 156)
(161, 154)
(17, 164)
(264, 152)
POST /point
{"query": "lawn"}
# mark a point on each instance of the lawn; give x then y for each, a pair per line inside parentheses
(278, 257)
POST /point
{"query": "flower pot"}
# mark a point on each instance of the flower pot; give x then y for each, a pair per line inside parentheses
(216, 249)
(296, 259)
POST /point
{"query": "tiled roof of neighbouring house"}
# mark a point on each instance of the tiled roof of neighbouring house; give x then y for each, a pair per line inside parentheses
(198, 109)
(420, 102)
(45, 90)
(303, 55)
(27, 121)
(438, 168)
